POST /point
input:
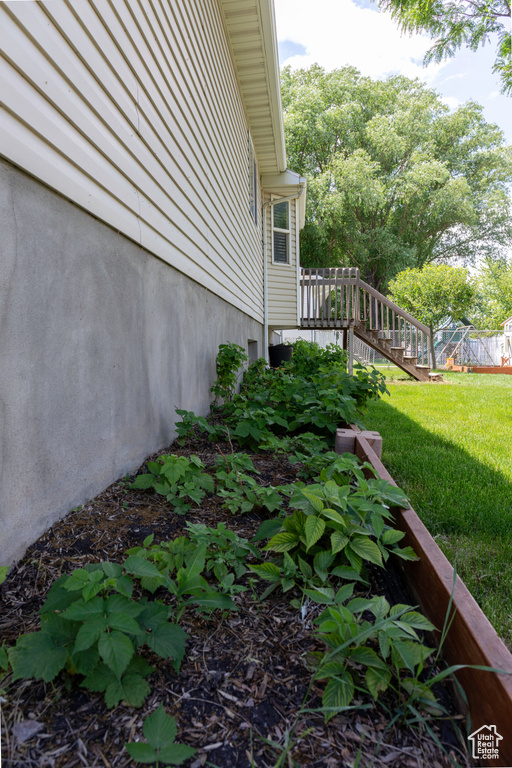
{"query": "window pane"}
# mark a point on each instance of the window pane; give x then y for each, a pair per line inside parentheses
(281, 215)
(281, 247)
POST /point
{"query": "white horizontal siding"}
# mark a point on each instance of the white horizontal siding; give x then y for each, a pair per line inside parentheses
(282, 278)
(132, 110)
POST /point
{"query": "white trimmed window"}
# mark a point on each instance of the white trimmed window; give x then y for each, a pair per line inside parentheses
(253, 182)
(281, 233)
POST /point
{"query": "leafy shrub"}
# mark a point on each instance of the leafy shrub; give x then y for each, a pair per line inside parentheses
(226, 553)
(177, 565)
(90, 625)
(178, 479)
(384, 647)
(309, 358)
(230, 358)
(160, 747)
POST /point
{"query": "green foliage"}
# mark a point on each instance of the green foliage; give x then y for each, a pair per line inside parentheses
(226, 551)
(156, 564)
(190, 422)
(331, 466)
(434, 293)
(494, 294)
(230, 359)
(335, 529)
(310, 358)
(160, 747)
(455, 24)
(178, 479)
(91, 626)
(387, 647)
(395, 178)
(4, 570)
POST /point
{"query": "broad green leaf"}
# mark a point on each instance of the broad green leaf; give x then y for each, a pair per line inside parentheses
(78, 579)
(282, 542)
(141, 752)
(305, 568)
(377, 680)
(269, 571)
(89, 633)
(121, 604)
(368, 658)
(331, 514)
(99, 678)
(176, 754)
(417, 621)
(315, 501)
(143, 482)
(195, 563)
(406, 553)
(116, 650)
(338, 541)
(123, 623)
(112, 570)
(168, 641)
(155, 467)
(139, 566)
(81, 610)
(337, 695)
(366, 549)
(330, 669)
(391, 536)
(36, 655)
(322, 595)
(344, 593)
(378, 524)
(132, 689)
(85, 661)
(160, 728)
(58, 598)
(215, 600)
(313, 529)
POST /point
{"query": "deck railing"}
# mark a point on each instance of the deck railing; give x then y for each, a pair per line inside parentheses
(337, 298)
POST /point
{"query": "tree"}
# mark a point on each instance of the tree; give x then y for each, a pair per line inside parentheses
(434, 294)
(458, 23)
(494, 293)
(395, 180)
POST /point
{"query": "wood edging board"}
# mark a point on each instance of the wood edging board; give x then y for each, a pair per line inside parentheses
(471, 639)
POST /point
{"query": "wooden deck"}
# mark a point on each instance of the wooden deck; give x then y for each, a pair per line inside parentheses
(337, 298)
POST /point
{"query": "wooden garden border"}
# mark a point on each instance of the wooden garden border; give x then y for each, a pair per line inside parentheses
(471, 639)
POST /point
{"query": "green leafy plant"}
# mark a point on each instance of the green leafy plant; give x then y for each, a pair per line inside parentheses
(230, 359)
(386, 646)
(91, 626)
(4, 570)
(160, 747)
(240, 491)
(178, 479)
(334, 528)
(190, 422)
(226, 551)
(177, 566)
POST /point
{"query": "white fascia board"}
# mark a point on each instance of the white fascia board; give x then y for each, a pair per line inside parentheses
(273, 79)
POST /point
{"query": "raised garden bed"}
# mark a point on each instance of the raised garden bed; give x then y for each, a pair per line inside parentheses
(244, 676)
(471, 639)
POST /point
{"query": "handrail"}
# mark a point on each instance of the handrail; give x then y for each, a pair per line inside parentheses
(399, 311)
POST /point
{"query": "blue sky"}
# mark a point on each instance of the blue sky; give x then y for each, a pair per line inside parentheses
(334, 33)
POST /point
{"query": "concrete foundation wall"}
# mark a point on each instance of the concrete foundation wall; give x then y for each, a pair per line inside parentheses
(99, 343)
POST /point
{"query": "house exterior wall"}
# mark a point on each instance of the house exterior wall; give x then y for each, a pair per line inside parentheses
(282, 278)
(99, 341)
(133, 111)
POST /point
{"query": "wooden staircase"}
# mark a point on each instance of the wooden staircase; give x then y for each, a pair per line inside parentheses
(337, 298)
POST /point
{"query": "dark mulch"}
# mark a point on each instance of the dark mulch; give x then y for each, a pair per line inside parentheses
(244, 677)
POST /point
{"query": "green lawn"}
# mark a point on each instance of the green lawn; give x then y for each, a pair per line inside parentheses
(449, 446)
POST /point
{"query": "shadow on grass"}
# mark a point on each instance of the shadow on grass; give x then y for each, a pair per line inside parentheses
(453, 492)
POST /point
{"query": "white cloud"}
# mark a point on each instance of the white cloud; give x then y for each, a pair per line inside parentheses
(451, 101)
(336, 33)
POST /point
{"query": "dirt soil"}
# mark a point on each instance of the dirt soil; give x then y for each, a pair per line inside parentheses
(244, 677)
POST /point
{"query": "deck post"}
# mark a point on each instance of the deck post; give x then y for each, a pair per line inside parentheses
(350, 333)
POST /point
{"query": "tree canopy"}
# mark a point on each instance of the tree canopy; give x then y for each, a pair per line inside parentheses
(458, 23)
(395, 179)
(494, 293)
(434, 294)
